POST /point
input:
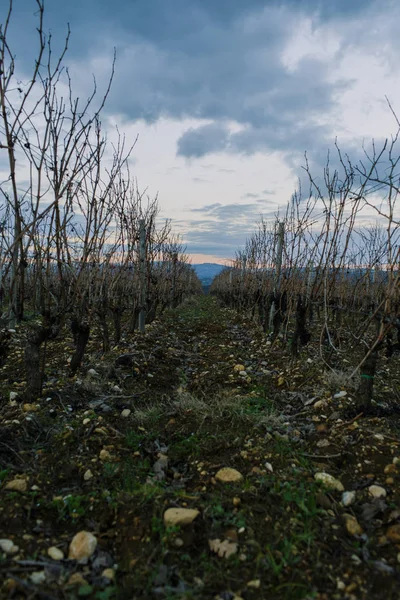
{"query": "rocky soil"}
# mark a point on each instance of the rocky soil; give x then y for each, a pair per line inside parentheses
(198, 461)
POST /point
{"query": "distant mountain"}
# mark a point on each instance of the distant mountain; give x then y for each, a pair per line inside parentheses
(207, 271)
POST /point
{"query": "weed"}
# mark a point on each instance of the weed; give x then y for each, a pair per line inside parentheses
(148, 492)
(134, 439)
(225, 518)
(255, 405)
(4, 474)
(189, 446)
(71, 506)
(132, 471)
(285, 555)
(110, 470)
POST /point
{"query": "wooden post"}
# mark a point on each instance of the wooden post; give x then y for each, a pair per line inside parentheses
(278, 270)
(142, 275)
(242, 276)
(279, 255)
(173, 289)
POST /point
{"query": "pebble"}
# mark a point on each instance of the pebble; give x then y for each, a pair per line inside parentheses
(254, 583)
(76, 579)
(125, 413)
(88, 475)
(390, 469)
(319, 404)
(228, 475)
(8, 546)
(82, 546)
(38, 577)
(341, 394)
(178, 542)
(348, 498)
(86, 421)
(393, 533)
(239, 368)
(104, 455)
(109, 574)
(269, 467)
(352, 525)
(376, 491)
(329, 481)
(180, 516)
(13, 396)
(17, 485)
(55, 553)
(92, 373)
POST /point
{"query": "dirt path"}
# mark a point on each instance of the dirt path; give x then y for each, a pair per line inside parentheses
(149, 428)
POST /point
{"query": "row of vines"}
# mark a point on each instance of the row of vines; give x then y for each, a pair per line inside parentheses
(80, 246)
(326, 274)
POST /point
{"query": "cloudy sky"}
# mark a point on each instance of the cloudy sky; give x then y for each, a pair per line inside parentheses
(227, 95)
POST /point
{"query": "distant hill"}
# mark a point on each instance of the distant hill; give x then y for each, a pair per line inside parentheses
(207, 271)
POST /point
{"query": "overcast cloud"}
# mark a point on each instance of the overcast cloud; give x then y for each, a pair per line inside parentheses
(227, 95)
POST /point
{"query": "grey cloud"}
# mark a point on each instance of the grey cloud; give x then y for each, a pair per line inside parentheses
(203, 140)
(225, 229)
(208, 208)
(199, 180)
(220, 61)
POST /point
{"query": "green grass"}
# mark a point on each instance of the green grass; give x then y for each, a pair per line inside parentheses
(71, 506)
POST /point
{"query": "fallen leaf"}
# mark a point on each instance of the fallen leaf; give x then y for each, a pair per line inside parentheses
(224, 548)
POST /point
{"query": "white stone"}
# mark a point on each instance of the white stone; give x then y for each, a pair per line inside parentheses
(17, 485)
(82, 546)
(125, 413)
(254, 583)
(180, 516)
(109, 574)
(329, 481)
(348, 498)
(8, 546)
(269, 467)
(88, 475)
(38, 577)
(320, 404)
(55, 553)
(376, 491)
(228, 475)
(341, 394)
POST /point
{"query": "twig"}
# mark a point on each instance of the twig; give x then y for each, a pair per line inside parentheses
(27, 586)
(121, 397)
(351, 421)
(34, 563)
(326, 456)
